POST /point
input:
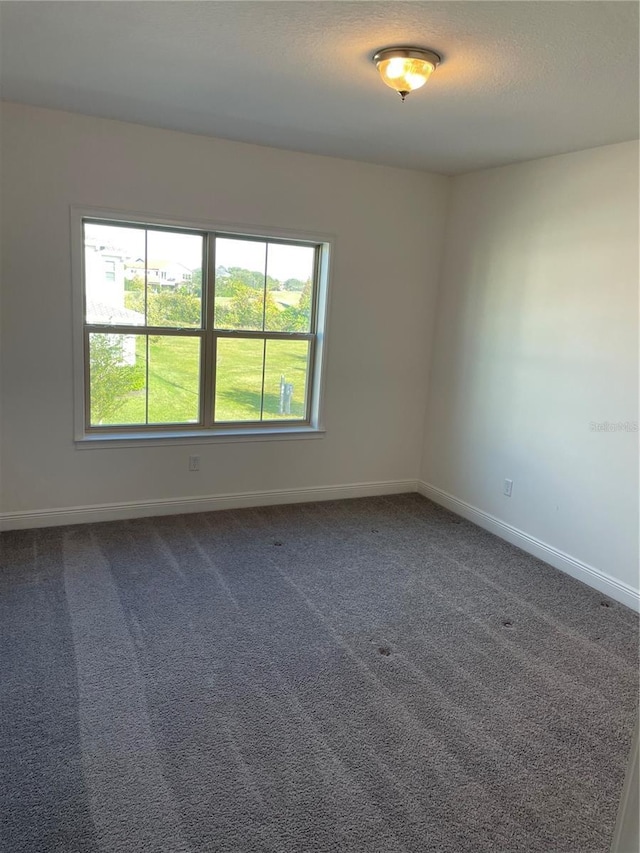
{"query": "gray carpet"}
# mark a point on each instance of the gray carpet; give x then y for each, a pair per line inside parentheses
(372, 676)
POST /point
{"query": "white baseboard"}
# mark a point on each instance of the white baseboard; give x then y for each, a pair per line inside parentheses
(615, 589)
(176, 506)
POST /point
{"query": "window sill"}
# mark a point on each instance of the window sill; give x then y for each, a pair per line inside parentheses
(150, 439)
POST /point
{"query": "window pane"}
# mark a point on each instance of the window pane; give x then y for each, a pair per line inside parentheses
(240, 283)
(117, 379)
(285, 380)
(113, 293)
(174, 279)
(174, 377)
(239, 380)
(290, 272)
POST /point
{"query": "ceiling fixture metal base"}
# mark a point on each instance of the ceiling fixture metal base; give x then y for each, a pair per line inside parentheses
(407, 53)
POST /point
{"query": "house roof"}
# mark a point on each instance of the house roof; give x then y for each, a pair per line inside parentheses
(101, 312)
(138, 264)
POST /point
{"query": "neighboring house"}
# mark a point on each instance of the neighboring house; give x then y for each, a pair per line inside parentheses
(104, 272)
(104, 269)
(164, 273)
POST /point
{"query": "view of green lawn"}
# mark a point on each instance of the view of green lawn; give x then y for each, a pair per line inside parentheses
(155, 378)
(239, 382)
(174, 365)
(287, 297)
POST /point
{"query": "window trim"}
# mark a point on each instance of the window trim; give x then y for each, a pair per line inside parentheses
(131, 435)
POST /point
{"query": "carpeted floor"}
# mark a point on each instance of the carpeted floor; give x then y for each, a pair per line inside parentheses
(371, 676)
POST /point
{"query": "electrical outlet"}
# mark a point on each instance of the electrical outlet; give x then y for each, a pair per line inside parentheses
(508, 488)
(194, 463)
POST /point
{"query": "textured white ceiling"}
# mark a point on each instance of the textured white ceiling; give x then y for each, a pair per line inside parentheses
(519, 80)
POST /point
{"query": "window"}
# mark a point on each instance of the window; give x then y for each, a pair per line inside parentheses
(232, 347)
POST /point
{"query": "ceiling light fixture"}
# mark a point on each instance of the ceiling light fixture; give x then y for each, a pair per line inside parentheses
(405, 68)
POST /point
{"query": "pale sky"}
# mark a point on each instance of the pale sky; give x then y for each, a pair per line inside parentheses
(285, 261)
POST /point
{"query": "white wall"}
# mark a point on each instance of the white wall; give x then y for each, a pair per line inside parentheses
(536, 334)
(388, 225)
(537, 337)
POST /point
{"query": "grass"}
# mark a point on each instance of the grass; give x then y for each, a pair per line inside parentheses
(173, 386)
(239, 382)
(286, 298)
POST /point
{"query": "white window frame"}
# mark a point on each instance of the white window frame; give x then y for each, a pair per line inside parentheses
(86, 437)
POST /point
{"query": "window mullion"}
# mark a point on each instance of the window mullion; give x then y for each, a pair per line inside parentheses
(87, 378)
(248, 334)
(146, 281)
(315, 292)
(264, 292)
(264, 364)
(208, 378)
(169, 331)
(311, 360)
(146, 381)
